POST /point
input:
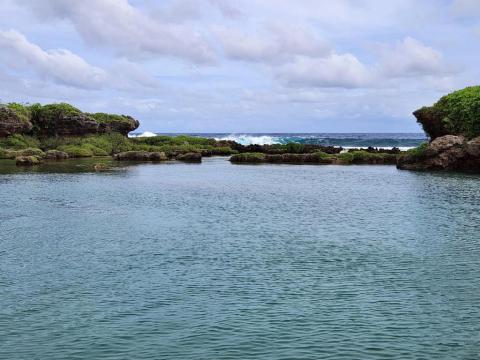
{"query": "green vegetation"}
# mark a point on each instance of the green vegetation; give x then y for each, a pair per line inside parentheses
(248, 158)
(17, 142)
(457, 113)
(113, 143)
(22, 111)
(105, 118)
(418, 151)
(365, 157)
(355, 157)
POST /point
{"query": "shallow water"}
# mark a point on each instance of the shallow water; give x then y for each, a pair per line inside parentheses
(217, 261)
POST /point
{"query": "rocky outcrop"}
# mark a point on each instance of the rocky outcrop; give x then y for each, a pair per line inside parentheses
(190, 157)
(66, 125)
(457, 113)
(122, 126)
(60, 120)
(11, 123)
(449, 152)
(140, 156)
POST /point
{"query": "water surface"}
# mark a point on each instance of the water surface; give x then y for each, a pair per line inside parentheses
(220, 261)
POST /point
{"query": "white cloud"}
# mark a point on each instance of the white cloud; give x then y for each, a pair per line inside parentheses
(336, 70)
(466, 8)
(126, 75)
(274, 44)
(117, 24)
(411, 58)
(60, 65)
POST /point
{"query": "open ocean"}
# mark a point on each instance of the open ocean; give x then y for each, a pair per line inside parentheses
(218, 261)
(346, 140)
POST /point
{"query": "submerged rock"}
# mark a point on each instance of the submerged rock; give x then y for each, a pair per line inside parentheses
(140, 156)
(101, 167)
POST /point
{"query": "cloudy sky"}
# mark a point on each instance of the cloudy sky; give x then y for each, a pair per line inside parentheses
(242, 65)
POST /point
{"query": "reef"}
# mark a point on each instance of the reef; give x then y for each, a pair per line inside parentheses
(453, 125)
(358, 157)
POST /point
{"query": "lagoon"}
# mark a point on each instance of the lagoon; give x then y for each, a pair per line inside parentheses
(222, 261)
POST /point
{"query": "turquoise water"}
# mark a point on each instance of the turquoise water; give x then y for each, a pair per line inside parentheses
(217, 261)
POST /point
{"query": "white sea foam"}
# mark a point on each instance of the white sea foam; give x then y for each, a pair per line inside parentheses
(251, 139)
(144, 134)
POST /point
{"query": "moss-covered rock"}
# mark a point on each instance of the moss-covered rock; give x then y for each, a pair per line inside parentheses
(190, 157)
(140, 156)
(449, 152)
(27, 160)
(251, 158)
(457, 113)
(31, 152)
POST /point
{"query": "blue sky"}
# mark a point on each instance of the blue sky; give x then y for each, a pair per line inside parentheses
(242, 65)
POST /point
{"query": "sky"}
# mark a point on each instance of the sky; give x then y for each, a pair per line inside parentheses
(241, 65)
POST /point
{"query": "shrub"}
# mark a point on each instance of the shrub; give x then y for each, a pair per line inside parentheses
(105, 118)
(22, 111)
(457, 113)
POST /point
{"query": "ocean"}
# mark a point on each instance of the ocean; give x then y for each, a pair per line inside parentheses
(221, 261)
(403, 141)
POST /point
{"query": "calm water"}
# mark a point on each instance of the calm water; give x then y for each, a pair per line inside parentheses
(217, 261)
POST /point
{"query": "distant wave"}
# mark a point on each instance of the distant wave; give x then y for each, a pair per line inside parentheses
(402, 141)
(144, 134)
(347, 140)
(252, 139)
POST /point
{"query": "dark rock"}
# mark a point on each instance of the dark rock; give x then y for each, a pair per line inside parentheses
(122, 126)
(190, 157)
(449, 152)
(10, 123)
(473, 147)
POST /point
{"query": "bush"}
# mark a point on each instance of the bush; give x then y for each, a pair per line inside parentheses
(22, 111)
(457, 113)
(105, 118)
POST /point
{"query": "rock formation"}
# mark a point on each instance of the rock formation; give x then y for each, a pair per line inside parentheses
(60, 120)
(11, 123)
(453, 125)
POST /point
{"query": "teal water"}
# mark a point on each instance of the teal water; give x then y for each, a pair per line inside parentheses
(217, 261)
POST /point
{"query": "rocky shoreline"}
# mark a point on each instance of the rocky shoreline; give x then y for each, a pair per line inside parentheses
(31, 134)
